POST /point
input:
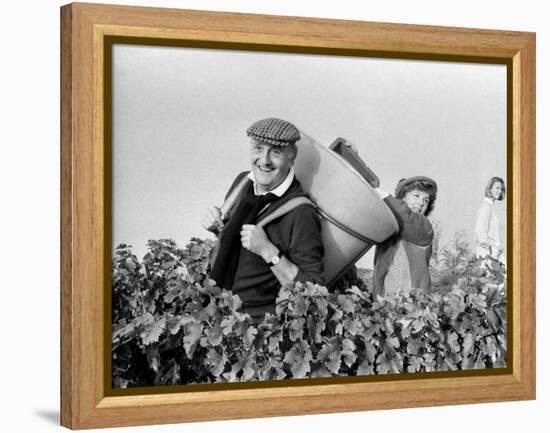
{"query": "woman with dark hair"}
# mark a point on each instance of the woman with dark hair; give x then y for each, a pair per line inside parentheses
(402, 261)
(487, 229)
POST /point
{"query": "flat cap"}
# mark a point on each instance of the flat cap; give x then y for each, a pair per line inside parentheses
(274, 131)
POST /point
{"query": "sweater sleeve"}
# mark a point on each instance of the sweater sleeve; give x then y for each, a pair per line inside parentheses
(306, 248)
(413, 227)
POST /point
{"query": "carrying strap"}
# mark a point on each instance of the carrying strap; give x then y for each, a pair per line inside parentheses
(285, 208)
(290, 205)
(232, 198)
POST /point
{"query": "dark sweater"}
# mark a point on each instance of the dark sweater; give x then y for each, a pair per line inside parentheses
(297, 235)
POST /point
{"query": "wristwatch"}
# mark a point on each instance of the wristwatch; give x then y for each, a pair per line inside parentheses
(275, 259)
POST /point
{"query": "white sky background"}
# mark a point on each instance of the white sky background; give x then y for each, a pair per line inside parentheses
(180, 117)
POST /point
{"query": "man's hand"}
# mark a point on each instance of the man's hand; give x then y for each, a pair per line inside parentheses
(212, 220)
(254, 239)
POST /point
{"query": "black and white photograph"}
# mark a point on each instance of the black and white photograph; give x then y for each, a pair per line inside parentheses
(275, 216)
(285, 216)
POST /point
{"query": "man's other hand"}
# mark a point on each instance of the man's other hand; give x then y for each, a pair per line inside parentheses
(212, 220)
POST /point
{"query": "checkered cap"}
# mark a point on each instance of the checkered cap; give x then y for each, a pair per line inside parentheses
(274, 131)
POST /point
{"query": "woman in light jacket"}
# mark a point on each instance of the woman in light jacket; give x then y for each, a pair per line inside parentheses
(488, 243)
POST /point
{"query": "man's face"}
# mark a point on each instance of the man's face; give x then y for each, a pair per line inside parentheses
(417, 201)
(270, 164)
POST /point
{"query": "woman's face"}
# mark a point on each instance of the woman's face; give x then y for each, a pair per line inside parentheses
(496, 190)
(417, 201)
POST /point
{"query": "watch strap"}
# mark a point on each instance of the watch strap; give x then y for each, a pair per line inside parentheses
(276, 259)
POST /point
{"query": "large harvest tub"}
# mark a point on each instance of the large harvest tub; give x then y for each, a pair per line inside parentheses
(354, 218)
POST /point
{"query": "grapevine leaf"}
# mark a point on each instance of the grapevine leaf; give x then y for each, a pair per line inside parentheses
(334, 362)
(370, 351)
(191, 338)
(273, 370)
(393, 342)
(296, 329)
(468, 344)
(413, 346)
(319, 370)
(348, 352)
(371, 331)
(145, 319)
(415, 365)
(299, 358)
(212, 309)
(389, 326)
(329, 355)
(490, 347)
(467, 363)
(123, 332)
(365, 368)
(231, 376)
(337, 316)
(216, 362)
(153, 356)
(353, 326)
(173, 325)
(326, 350)
(227, 324)
(315, 327)
(452, 339)
(214, 335)
(322, 306)
(151, 333)
(300, 306)
(346, 304)
(249, 336)
(130, 264)
(479, 363)
(249, 370)
(417, 325)
(383, 364)
(358, 292)
(211, 288)
(273, 344)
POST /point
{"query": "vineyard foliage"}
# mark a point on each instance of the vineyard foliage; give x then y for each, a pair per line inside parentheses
(173, 325)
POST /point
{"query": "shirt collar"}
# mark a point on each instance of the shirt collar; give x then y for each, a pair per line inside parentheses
(281, 189)
(489, 200)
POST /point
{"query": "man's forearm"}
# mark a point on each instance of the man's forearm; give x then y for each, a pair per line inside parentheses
(285, 271)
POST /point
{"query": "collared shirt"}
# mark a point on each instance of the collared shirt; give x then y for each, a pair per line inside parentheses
(281, 189)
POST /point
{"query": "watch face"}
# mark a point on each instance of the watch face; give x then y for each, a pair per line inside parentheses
(275, 260)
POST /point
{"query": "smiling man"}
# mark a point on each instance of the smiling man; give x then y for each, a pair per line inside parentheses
(255, 261)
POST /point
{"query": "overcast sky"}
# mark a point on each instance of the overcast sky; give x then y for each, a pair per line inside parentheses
(180, 117)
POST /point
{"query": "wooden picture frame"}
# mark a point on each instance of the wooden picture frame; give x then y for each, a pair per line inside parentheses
(85, 33)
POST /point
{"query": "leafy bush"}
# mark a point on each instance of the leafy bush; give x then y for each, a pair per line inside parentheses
(172, 325)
